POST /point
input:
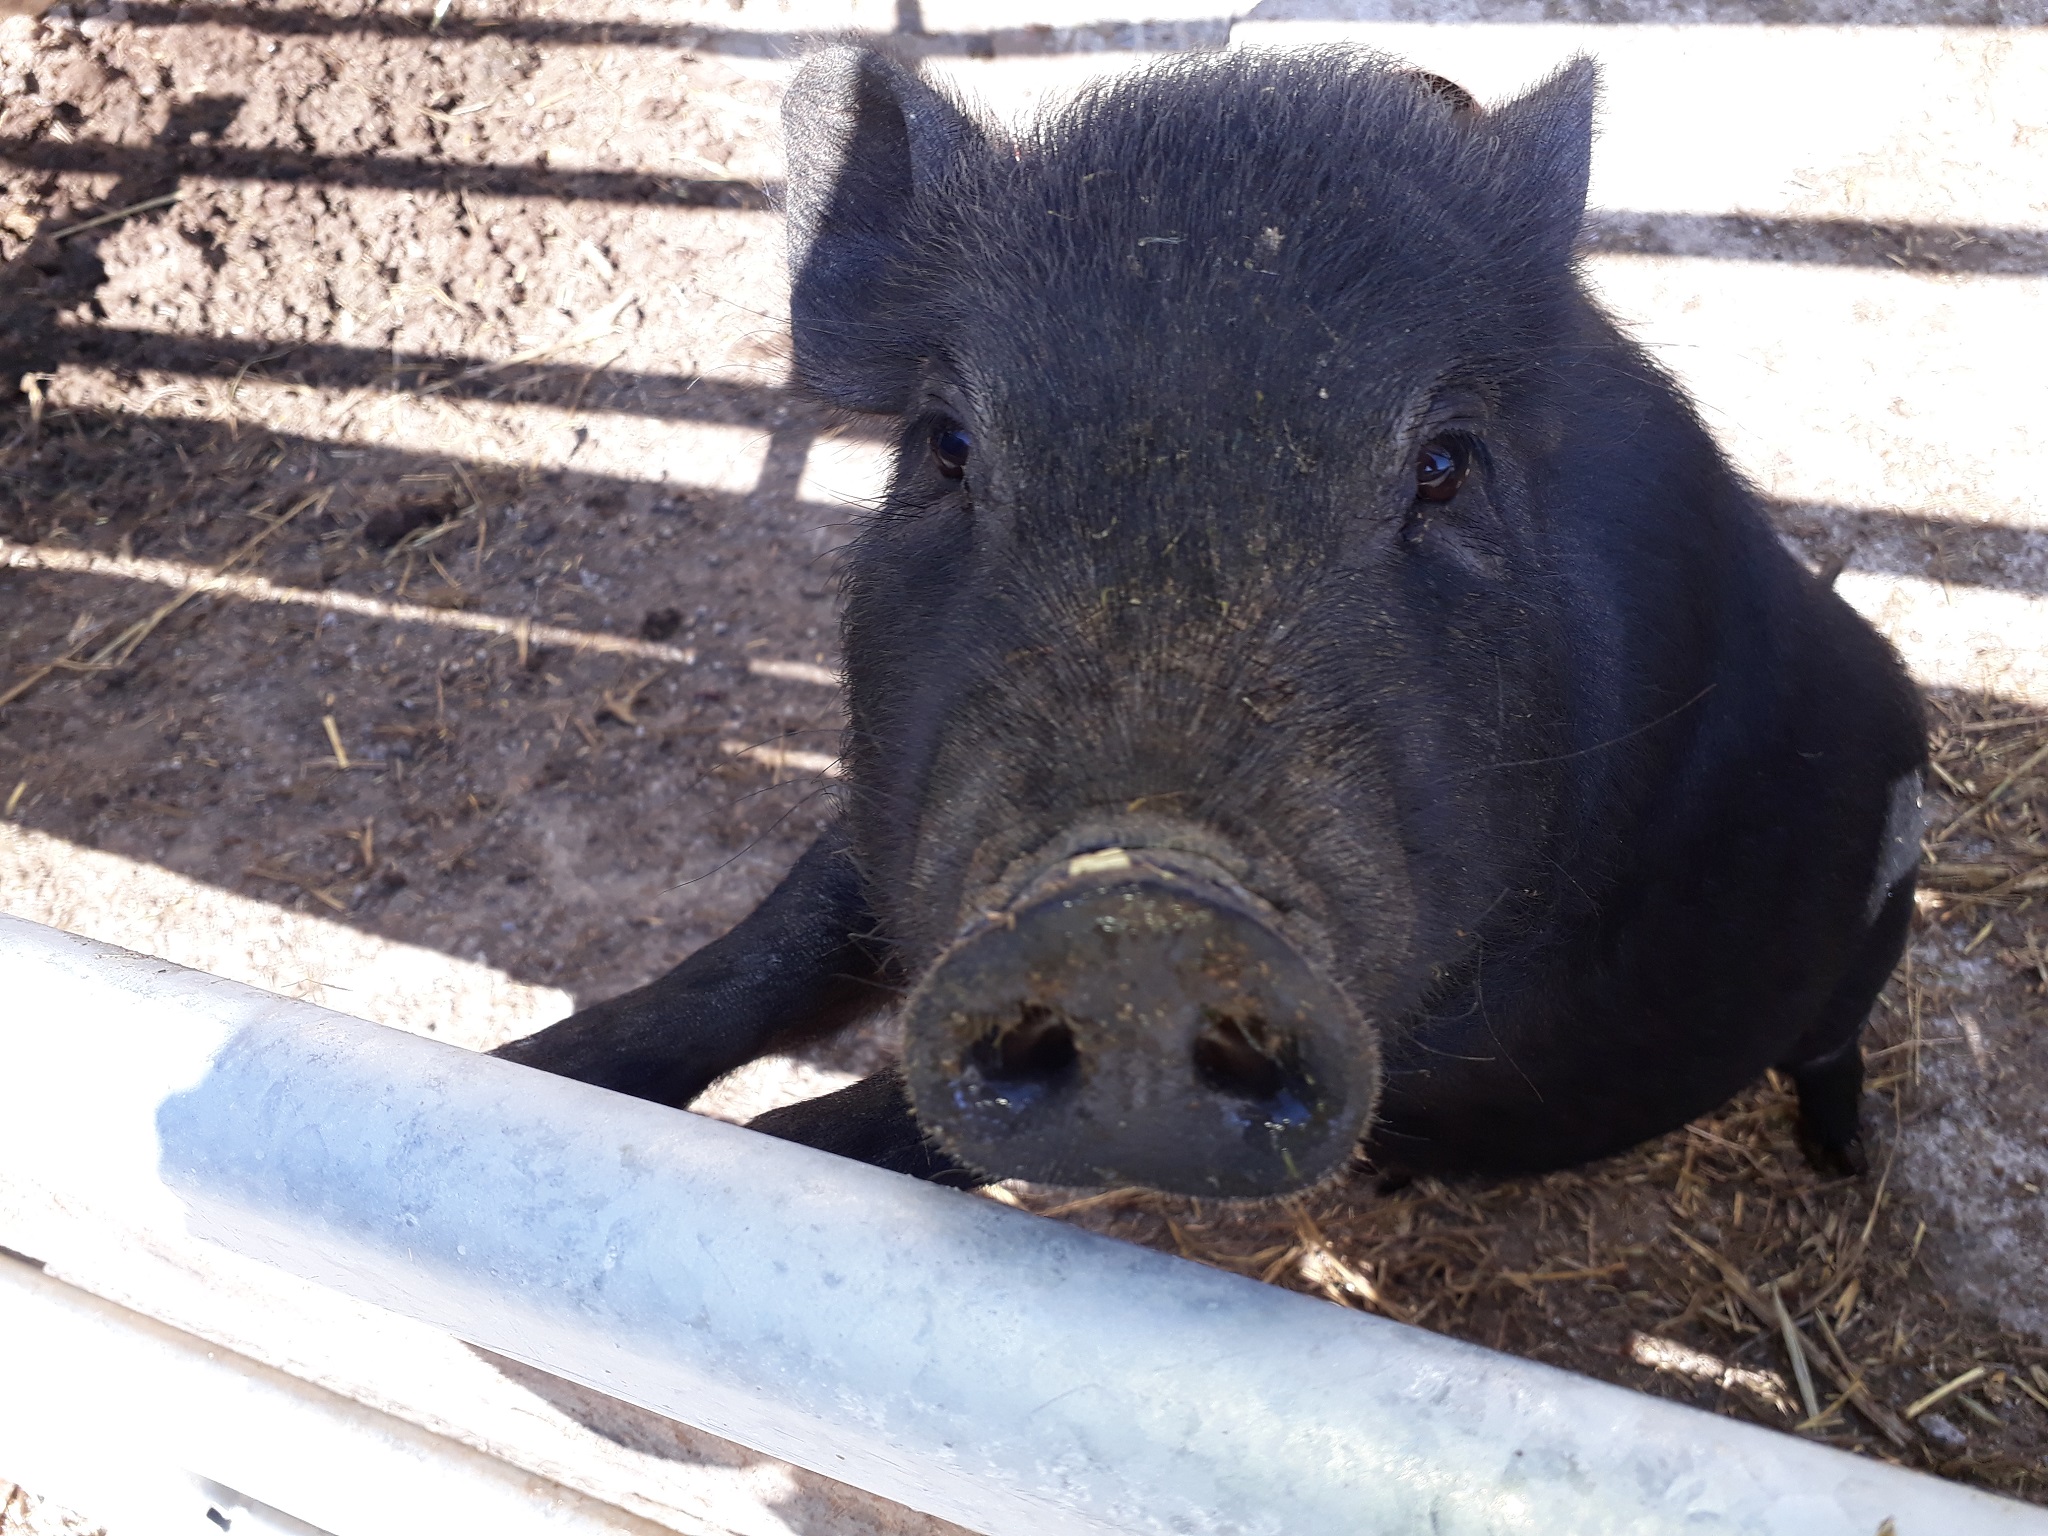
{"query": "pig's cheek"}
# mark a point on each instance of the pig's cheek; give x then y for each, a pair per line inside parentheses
(1466, 535)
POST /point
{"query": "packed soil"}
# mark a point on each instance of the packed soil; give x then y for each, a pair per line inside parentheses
(24, 1514)
(475, 324)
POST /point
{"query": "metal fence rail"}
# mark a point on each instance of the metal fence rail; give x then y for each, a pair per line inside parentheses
(153, 1431)
(1011, 1374)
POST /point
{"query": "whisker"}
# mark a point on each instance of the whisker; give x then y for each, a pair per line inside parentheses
(1612, 741)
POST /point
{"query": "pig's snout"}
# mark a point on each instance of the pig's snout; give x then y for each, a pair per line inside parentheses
(1130, 1020)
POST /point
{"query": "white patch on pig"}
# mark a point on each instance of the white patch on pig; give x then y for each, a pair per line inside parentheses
(1898, 849)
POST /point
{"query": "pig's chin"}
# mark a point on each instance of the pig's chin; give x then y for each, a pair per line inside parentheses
(1132, 1015)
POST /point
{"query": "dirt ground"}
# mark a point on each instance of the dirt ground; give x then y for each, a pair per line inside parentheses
(476, 331)
(23, 1514)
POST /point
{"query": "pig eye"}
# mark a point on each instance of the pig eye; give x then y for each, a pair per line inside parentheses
(951, 444)
(1441, 468)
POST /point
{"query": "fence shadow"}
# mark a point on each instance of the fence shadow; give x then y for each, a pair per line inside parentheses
(1951, 248)
(697, 398)
(172, 158)
(910, 35)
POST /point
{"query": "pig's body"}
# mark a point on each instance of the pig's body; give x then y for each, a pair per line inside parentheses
(1314, 682)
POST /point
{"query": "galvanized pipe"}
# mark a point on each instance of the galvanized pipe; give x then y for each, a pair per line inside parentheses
(158, 1433)
(1014, 1375)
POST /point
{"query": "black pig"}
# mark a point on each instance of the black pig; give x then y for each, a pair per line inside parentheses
(1315, 685)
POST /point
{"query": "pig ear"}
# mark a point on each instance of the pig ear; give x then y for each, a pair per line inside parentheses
(865, 138)
(1449, 92)
(1549, 136)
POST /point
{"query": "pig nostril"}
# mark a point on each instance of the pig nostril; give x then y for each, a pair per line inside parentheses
(1018, 1062)
(1243, 1059)
(1239, 1057)
(1039, 1045)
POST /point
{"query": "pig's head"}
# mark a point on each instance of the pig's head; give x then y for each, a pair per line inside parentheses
(1211, 599)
